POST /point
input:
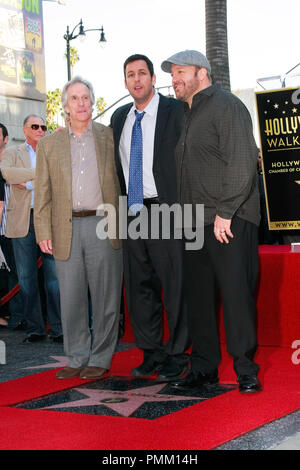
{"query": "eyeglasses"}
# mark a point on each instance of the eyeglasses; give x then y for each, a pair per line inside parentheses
(35, 127)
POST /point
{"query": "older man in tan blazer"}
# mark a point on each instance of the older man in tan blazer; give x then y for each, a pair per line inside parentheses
(75, 177)
(18, 169)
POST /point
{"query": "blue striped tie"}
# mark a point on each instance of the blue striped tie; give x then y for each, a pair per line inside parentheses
(135, 185)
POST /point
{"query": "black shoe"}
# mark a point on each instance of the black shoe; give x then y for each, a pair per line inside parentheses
(34, 338)
(196, 380)
(249, 384)
(147, 368)
(20, 326)
(172, 370)
(57, 339)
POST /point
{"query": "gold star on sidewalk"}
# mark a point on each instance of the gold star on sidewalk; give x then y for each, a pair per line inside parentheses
(124, 403)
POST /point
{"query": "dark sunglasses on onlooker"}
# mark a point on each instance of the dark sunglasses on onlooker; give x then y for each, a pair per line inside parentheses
(35, 127)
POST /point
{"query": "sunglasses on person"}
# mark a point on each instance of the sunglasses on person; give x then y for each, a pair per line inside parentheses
(35, 127)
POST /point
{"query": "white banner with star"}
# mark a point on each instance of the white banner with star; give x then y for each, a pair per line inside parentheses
(278, 113)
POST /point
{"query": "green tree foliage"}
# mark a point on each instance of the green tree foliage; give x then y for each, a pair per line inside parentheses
(74, 56)
(100, 105)
(53, 109)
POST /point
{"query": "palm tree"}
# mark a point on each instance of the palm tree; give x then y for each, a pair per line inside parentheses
(53, 109)
(216, 41)
(74, 57)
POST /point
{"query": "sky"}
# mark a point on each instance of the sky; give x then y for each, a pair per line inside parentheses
(263, 39)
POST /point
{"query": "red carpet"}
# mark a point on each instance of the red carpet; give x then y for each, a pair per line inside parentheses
(202, 426)
(278, 298)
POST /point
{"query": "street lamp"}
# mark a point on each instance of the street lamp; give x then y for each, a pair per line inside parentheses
(81, 33)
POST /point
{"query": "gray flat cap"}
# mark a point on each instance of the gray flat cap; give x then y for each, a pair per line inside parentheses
(188, 57)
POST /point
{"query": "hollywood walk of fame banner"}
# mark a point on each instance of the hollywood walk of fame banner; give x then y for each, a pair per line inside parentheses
(278, 114)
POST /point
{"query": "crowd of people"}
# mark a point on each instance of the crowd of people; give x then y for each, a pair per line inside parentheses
(195, 150)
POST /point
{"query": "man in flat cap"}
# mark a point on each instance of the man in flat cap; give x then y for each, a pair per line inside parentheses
(216, 159)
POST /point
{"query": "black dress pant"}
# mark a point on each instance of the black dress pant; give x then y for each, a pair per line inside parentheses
(228, 271)
(153, 277)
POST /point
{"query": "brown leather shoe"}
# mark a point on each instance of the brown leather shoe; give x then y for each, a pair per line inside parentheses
(92, 372)
(68, 372)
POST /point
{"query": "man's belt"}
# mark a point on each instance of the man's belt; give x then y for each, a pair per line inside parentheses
(149, 201)
(83, 213)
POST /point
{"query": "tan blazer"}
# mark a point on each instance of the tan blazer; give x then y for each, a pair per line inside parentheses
(15, 168)
(53, 187)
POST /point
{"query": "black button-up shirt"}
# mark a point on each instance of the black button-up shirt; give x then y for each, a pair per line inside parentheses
(216, 157)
